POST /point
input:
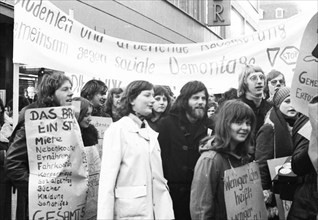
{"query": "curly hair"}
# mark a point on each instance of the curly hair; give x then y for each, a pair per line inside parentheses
(49, 84)
(93, 87)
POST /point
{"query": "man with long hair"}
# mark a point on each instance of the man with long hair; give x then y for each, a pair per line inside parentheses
(179, 136)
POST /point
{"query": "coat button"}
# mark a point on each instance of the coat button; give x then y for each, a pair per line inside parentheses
(184, 168)
(185, 148)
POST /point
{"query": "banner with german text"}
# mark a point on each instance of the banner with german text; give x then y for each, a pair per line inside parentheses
(47, 37)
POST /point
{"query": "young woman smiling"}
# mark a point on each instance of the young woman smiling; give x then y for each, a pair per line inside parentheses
(228, 148)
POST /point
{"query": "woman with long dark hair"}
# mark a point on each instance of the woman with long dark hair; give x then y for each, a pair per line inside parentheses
(227, 149)
(113, 103)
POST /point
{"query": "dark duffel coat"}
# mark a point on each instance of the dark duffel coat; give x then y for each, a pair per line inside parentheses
(179, 142)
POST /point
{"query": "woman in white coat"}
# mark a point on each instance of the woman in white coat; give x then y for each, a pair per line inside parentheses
(131, 184)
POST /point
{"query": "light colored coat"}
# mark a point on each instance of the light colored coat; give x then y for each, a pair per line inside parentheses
(131, 184)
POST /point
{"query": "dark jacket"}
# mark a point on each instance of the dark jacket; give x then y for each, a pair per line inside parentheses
(260, 112)
(273, 141)
(17, 163)
(179, 142)
(305, 201)
(89, 135)
(100, 112)
(207, 190)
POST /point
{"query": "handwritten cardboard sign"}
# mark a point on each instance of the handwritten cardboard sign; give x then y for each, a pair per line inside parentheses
(94, 163)
(58, 166)
(243, 193)
(305, 80)
(101, 124)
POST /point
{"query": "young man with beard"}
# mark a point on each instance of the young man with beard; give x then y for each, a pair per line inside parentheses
(179, 136)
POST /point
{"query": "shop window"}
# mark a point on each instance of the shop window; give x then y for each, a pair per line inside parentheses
(279, 13)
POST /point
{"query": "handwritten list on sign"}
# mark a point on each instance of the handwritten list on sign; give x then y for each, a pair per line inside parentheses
(243, 193)
(58, 167)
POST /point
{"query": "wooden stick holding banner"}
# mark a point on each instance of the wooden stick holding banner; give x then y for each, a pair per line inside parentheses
(243, 193)
(57, 161)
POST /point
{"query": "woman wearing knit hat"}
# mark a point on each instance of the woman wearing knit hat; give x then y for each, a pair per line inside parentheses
(274, 138)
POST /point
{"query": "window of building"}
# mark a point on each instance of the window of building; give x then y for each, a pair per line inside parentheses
(279, 13)
(194, 8)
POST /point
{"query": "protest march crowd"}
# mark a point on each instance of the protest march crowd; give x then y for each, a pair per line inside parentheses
(164, 157)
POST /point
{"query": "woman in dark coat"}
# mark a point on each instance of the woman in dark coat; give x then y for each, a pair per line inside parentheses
(88, 131)
(305, 201)
(274, 138)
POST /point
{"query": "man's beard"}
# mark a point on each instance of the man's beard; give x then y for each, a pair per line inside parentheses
(196, 112)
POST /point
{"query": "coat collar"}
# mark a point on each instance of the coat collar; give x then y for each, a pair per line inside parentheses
(136, 120)
(146, 132)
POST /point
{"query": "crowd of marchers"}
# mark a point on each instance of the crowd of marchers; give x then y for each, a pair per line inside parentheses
(163, 156)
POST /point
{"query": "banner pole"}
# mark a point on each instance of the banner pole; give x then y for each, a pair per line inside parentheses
(15, 103)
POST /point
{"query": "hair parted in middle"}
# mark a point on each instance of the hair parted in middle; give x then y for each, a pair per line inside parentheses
(189, 89)
(130, 93)
(109, 100)
(246, 71)
(161, 90)
(271, 75)
(85, 104)
(232, 111)
(93, 87)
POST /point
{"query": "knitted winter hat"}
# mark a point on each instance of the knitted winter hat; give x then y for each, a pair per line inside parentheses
(280, 95)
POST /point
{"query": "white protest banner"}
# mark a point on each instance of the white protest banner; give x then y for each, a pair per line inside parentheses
(243, 193)
(305, 80)
(101, 124)
(94, 163)
(57, 162)
(46, 36)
